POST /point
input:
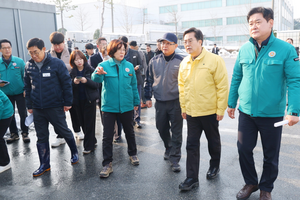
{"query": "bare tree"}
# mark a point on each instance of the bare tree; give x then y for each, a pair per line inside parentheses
(175, 17)
(126, 20)
(215, 27)
(82, 19)
(63, 5)
(102, 7)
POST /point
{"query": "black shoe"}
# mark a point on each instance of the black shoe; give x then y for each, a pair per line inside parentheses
(188, 184)
(167, 154)
(175, 167)
(26, 139)
(212, 172)
(13, 137)
(138, 125)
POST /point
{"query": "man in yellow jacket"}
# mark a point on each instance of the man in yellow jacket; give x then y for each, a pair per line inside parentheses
(203, 93)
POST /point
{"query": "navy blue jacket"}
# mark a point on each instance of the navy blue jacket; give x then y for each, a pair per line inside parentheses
(48, 87)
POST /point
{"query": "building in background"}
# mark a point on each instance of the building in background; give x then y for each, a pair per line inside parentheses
(22, 21)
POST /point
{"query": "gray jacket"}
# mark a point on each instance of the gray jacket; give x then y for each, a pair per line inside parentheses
(162, 78)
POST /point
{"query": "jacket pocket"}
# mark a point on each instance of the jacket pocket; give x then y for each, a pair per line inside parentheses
(273, 65)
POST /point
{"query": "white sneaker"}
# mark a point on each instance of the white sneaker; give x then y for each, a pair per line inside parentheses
(6, 136)
(80, 135)
(4, 168)
(58, 142)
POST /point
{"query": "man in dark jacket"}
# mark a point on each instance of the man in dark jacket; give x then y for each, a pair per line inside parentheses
(215, 49)
(133, 57)
(158, 49)
(48, 90)
(148, 54)
(161, 78)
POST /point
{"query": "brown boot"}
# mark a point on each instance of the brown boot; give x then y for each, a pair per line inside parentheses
(246, 191)
(265, 195)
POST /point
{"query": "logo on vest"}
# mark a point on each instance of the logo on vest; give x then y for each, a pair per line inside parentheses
(127, 69)
(14, 64)
(272, 54)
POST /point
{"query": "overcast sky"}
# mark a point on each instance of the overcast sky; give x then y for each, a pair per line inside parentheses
(295, 4)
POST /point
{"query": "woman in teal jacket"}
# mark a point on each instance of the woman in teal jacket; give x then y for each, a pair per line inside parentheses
(6, 113)
(119, 98)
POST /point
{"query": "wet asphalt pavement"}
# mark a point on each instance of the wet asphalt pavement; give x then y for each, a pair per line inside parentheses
(153, 178)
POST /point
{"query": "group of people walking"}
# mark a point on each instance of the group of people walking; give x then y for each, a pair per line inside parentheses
(194, 88)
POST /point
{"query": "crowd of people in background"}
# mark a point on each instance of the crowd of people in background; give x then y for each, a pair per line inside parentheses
(120, 79)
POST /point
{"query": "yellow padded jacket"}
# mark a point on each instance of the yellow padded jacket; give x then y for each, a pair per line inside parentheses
(203, 85)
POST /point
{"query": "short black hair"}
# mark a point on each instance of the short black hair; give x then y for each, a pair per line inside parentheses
(4, 41)
(99, 39)
(133, 43)
(148, 45)
(56, 38)
(37, 42)
(198, 33)
(124, 39)
(89, 46)
(266, 12)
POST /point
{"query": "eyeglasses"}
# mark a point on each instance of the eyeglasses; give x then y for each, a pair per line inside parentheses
(167, 43)
(35, 53)
(6, 48)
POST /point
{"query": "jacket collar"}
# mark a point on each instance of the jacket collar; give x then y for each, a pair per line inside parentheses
(112, 62)
(271, 40)
(62, 53)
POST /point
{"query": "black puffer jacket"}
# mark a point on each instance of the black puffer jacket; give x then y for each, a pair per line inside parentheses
(91, 87)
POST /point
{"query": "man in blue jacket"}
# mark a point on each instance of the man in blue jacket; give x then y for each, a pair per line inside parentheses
(265, 68)
(12, 70)
(48, 95)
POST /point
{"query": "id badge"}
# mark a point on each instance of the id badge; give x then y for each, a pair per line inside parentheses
(46, 74)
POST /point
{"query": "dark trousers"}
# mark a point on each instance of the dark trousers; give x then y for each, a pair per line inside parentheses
(137, 113)
(75, 122)
(75, 118)
(143, 93)
(195, 126)
(168, 116)
(86, 112)
(21, 105)
(247, 138)
(118, 127)
(4, 157)
(57, 117)
(108, 134)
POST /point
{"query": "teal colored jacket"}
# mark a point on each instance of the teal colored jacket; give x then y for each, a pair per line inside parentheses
(6, 108)
(13, 73)
(261, 84)
(119, 91)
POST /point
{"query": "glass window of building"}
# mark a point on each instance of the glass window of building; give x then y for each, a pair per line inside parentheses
(167, 9)
(203, 23)
(236, 20)
(201, 5)
(240, 2)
